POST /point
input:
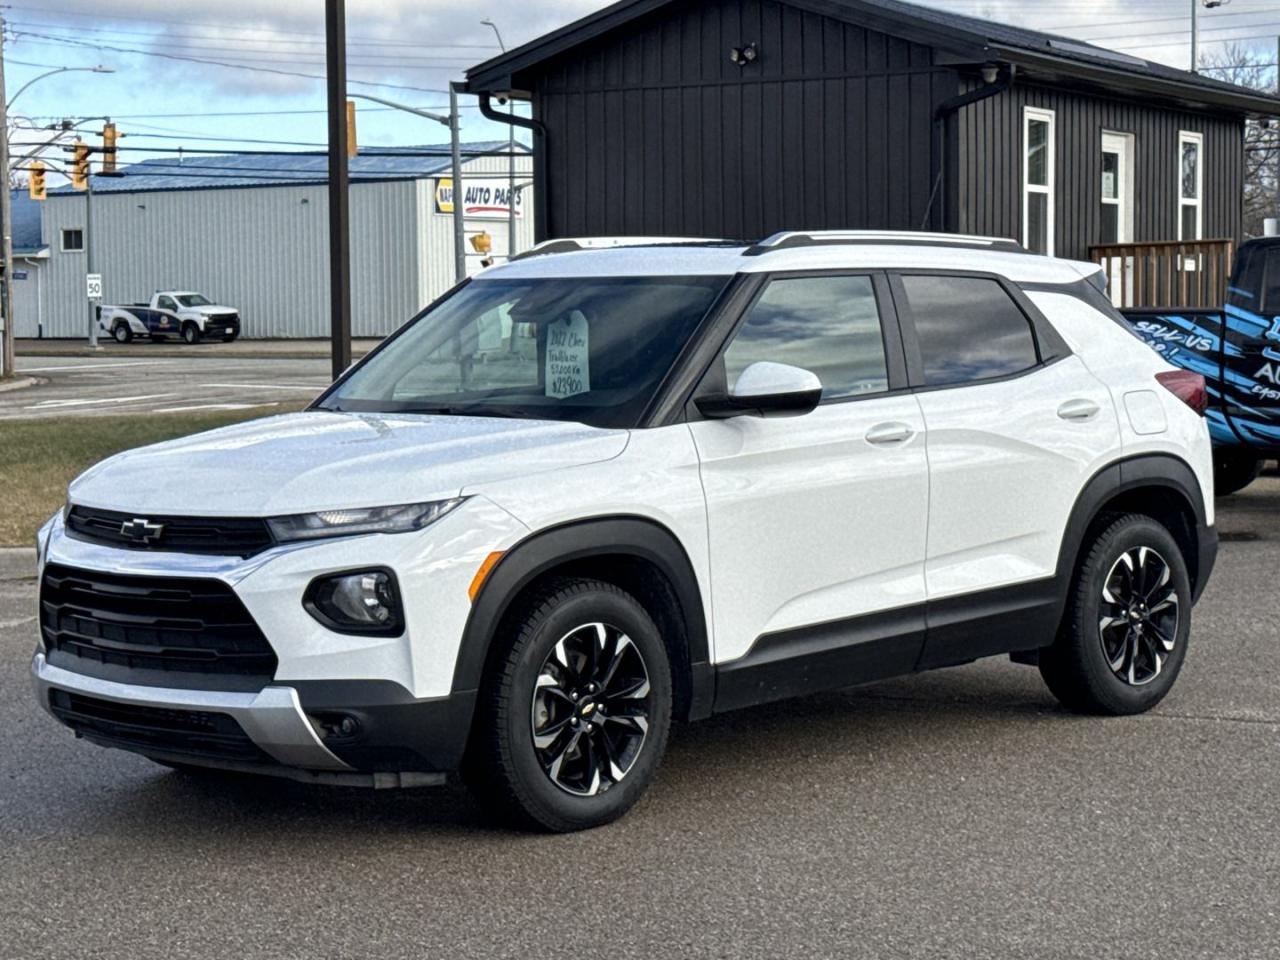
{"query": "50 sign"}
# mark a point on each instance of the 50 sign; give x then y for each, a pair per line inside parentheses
(93, 286)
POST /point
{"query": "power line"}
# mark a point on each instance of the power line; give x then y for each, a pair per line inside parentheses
(113, 35)
(219, 63)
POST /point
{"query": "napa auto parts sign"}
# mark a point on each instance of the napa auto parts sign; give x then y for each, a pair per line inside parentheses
(486, 199)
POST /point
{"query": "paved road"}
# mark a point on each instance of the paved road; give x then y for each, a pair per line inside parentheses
(84, 386)
(959, 814)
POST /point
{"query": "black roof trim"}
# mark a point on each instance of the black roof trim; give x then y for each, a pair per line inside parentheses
(970, 39)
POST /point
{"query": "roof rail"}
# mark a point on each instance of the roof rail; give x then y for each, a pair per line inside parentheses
(909, 238)
(573, 244)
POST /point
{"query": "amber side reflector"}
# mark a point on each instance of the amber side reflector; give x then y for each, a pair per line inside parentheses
(482, 574)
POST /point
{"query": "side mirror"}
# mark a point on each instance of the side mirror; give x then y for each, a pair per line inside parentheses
(766, 389)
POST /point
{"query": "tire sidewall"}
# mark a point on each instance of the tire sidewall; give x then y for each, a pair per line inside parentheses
(191, 333)
(1120, 696)
(551, 804)
(121, 333)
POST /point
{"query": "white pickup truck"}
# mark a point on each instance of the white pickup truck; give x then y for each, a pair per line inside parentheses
(171, 313)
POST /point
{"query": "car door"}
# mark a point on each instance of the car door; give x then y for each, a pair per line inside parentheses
(1016, 426)
(817, 523)
(168, 318)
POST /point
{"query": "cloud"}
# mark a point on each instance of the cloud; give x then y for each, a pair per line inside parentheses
(424, 43)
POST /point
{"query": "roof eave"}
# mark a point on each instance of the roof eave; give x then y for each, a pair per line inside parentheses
(1193, 95)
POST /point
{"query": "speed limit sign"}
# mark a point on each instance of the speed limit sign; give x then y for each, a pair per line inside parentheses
(93, 285)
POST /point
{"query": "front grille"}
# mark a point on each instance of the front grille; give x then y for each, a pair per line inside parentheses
(218, 536)
(151, 630)
(183, 733)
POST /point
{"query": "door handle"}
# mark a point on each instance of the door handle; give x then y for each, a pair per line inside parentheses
(1078, 411)
(889, 434)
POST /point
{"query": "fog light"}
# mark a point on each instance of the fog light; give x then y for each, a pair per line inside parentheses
(364, 601)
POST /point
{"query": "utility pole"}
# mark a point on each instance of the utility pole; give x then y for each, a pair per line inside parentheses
(335, 25)
(1195, 36)
(6, 226)
(88, 254)
(459, 215)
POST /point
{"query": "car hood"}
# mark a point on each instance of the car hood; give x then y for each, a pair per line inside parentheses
(209, 308)
(303, 462)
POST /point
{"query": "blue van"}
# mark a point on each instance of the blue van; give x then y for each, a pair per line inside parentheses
(1237, 349)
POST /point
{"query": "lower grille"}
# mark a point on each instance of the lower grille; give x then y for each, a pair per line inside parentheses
(182, 733)
(217, 536)
(152, 630)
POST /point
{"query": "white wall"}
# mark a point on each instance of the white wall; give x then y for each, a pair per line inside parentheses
(263, 250)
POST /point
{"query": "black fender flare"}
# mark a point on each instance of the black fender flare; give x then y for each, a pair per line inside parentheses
(545, 550)
(1132, 473)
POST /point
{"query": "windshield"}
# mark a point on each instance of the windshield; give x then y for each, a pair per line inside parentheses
(194, 300)
(591, 350)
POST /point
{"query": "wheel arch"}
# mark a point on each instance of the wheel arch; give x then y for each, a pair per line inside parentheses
(635, 553)
(1161, 486)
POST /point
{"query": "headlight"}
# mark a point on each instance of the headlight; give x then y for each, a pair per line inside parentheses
(362, 601)
(348, 523)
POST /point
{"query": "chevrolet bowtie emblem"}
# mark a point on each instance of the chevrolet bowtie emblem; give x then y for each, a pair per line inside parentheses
(141, 531)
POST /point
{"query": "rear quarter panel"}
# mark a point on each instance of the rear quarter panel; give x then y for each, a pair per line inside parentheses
(1151, 418)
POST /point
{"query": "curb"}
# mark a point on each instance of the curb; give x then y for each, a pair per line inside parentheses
(17, 563)
(20, 383)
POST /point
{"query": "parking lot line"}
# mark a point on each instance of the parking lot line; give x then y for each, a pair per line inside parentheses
(101, 365)
(265, 386)
(87, 401)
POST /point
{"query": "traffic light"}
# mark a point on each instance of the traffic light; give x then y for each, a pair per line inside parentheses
(109, 137)
(80, 166)
(352, 148)
(35, 185)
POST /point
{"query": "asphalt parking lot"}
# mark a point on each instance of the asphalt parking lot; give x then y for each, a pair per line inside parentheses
(956, 814)
(134, 383)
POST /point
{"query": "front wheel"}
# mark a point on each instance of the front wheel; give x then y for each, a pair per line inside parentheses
(573, 720)
(1233, 471)
(1124, 637)
(191, 333)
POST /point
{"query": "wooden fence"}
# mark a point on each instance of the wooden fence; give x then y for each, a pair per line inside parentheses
(1193, 273)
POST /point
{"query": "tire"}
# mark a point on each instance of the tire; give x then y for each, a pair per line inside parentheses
(191, 333)
(580, 772)
(1115, 668)
(121, 332)
(1233, 471)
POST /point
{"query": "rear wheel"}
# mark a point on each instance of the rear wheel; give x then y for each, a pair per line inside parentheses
(191, 333)
(574, 719)
(121, 332)
(1128, 619)
(1233, 471)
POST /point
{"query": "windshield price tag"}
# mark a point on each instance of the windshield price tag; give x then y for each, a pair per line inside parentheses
(568, 360)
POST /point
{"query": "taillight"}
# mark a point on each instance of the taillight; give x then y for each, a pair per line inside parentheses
(1186, 386)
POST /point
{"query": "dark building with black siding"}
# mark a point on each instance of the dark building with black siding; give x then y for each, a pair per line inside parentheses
(738, 118)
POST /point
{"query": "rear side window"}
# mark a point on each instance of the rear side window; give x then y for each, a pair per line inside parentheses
(827, 325)
(969, 328)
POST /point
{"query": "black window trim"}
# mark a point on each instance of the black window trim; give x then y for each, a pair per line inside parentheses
(1049, 345)
(723, 328)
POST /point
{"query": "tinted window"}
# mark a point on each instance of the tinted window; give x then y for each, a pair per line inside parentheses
(1247, 286)
(1271, 282)
(969, 329)
(828, 325)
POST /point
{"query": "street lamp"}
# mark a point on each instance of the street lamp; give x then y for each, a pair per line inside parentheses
(454, 122)
(1195, 27)
(98, 69)
(511, 158)
(6, 201)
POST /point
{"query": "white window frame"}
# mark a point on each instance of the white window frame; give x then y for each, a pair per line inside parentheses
(1047, 116)
(1122, 144)
(1185, 137)
(62, 240)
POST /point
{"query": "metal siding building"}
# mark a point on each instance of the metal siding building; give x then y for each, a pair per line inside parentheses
(263, 247)
(850, 114)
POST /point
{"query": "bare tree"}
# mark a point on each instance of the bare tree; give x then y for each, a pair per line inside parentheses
(1257, 70)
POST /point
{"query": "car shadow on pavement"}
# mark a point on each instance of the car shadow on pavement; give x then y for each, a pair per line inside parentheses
(711, 762)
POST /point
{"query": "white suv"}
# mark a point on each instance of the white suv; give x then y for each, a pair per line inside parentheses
(594, 491)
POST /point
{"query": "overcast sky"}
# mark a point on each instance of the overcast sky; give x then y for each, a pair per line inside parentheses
(408, 50)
